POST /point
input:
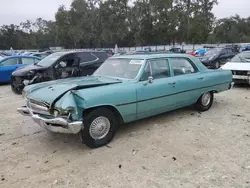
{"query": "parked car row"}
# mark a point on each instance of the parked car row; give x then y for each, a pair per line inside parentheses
(122, 89)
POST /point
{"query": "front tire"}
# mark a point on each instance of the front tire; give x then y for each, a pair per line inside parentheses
(16, 88)
(205, 101)
(100, 126)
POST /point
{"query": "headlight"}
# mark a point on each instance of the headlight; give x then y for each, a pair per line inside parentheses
(31, 73)
(66, 113)
(55, 113)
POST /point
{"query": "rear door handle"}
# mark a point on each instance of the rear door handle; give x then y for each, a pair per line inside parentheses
(200, 78)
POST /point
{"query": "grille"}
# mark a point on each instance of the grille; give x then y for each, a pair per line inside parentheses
(239, 72)
(38, 107)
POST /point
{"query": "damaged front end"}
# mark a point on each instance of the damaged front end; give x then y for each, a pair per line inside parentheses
(62, 118)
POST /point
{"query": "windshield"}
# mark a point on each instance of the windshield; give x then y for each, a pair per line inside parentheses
(120, 68)
(49, 60)
(241, 58)
(212, 51)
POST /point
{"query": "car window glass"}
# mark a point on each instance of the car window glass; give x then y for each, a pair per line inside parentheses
(182, 66)
(157, 68)
(11, 61)
(70, 61)
(160, 68)
(229, 50)
(28, 61)
(223, 51)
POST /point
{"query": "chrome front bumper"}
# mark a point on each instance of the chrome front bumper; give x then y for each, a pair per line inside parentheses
(58, 125)
(241, 77)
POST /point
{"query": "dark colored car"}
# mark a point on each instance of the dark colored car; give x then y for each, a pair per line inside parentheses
(177, 50)
(58, 65)
(215, 57)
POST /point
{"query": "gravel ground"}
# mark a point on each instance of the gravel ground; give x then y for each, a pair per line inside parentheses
(183, 148)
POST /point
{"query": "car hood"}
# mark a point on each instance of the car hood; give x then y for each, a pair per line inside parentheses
(24, 70)
(48, 92)
(236, 66)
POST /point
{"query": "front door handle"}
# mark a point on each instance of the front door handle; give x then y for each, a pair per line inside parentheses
(200, 78)
(172, 83)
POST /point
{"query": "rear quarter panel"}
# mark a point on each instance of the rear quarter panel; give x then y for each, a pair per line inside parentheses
(216, 80)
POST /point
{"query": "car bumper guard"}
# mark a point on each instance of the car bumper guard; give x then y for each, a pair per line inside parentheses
(58, 124)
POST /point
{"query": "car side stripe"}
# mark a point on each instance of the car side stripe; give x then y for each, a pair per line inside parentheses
(123, 104)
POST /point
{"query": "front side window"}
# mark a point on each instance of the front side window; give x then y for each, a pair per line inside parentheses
(9, 62)
(182, 66)
(120, 68)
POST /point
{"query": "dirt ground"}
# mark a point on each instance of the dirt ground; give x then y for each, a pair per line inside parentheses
(183, 148)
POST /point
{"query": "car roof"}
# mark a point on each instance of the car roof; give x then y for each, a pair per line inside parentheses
(21, 56)
(150, 56)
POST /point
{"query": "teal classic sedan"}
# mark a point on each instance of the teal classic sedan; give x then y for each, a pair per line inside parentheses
(123, 89)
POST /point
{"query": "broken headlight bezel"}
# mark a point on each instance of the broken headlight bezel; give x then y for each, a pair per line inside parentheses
(64, 112)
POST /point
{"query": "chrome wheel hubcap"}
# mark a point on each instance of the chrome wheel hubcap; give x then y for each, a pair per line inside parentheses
(99, 128)
(205, 99)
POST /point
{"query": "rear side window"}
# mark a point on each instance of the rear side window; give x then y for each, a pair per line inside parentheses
(9, 62)
(28, 61)
(182, 66)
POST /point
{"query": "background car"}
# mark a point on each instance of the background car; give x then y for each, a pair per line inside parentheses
(57, 66)
(177, 50)
(216, 57)
(240, 67)
(11, 63)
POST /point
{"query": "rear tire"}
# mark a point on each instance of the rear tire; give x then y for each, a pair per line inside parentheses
(205, 101)
(100, 126)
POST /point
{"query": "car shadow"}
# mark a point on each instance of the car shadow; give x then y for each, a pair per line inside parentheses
(73, 142)
(242, 86)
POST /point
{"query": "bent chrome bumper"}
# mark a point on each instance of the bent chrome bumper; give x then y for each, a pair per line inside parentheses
(58, 125)
(231, 85)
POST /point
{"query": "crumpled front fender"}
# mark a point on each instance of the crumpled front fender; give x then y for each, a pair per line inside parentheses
(69, 102)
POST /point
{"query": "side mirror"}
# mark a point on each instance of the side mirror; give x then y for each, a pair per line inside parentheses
(150, 79)
(62, 64)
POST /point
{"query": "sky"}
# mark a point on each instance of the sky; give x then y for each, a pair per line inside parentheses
(16, 11)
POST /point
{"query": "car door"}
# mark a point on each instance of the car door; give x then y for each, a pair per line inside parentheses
(188, 80)
(7, 66)
(155, 95)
